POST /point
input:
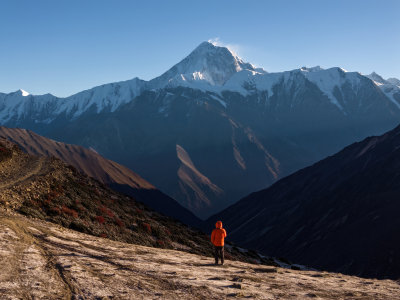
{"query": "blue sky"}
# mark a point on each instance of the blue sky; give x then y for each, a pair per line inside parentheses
(63, 47)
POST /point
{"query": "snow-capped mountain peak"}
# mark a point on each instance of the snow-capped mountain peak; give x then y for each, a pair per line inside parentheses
(312, 69)
(24, 93)
(377, 78)
(207, 64)
(390, 87)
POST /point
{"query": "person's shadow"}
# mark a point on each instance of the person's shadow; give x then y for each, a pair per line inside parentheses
(206, 265)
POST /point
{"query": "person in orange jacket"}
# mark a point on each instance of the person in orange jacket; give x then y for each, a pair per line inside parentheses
(218, 236)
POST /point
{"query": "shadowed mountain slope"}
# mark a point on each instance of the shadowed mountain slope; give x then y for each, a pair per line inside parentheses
(106, 171)
(340, 214)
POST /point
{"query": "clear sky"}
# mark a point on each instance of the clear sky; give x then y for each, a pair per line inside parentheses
(63, 47)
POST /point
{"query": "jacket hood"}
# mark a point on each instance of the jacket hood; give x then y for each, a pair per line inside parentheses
(218, 224)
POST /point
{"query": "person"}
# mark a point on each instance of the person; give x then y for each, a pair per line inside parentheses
(218, 236)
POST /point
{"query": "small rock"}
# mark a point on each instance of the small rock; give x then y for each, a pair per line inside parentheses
(237, 286)
(215, 278)
(311, 295)
(237, 279)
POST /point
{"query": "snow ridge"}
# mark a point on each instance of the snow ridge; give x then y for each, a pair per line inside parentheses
(209, 68)
(390, 87)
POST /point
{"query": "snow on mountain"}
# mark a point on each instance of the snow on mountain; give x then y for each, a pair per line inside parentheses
(24, 93)
(207, 65)
(390, 87)
(20, 103)
(394, 81)
(376, 78)
(108, 96)
(328, 79)
(207, 68)
(47, 107)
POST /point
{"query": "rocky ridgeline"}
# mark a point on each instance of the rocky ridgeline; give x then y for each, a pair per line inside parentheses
(48, 189)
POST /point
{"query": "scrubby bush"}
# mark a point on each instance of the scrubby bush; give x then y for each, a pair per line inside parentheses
(106, 211)
(78, 226)
(71, 212)
(54, 211)
(160, 243)
(147, 227)
(100, 219)
(119, 223)
(158, 232)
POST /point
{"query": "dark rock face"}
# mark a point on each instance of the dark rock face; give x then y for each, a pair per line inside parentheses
(340, 214)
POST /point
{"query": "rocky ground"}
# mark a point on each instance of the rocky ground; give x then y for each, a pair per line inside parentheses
(42, 260)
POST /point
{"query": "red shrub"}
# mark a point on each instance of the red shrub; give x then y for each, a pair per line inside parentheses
(103, 235)
(160, 243)
(147, 227)
(167, 232)
(54, 193)
(119, 223)
(106, 211)
(70, 212)
(100, 219)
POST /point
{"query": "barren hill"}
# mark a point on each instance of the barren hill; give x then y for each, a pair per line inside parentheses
(104, 170)
(48, 189)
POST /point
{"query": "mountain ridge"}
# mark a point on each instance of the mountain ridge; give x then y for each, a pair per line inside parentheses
(340, 213)
(208, 67)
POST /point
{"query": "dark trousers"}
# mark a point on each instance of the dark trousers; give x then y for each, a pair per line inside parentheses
(219, 253)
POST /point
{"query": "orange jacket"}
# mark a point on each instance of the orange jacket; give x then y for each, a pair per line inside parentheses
(218, 235)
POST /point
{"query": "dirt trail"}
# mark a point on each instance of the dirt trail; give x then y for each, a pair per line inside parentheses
(17, 171)
(43, 260)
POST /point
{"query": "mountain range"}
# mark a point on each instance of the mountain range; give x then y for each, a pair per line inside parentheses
(214, 128)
